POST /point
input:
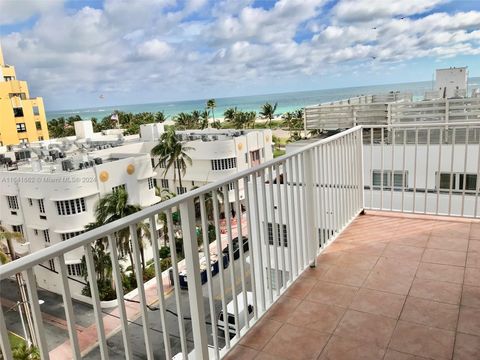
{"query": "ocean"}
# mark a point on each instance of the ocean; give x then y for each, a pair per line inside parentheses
(286, 101)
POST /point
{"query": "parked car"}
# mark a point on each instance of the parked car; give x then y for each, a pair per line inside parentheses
(236, 248)
(231, 315)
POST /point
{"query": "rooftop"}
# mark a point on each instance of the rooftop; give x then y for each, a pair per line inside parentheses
(389, 287)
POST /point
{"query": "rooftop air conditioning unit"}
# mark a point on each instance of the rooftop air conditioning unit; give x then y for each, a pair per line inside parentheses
(67, 165)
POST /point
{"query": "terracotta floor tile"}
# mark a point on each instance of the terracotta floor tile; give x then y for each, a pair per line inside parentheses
(396, 355)
(392, 266)
(330, 293)
(440, 272)
(317, 272)
(472, 276)
(317, 316)
(261, 334)
(467, 347)
(301, 287)
(351, 349)
(373, 249)
(265, 356)
(362, 262)
(240, 352)
(436, 290)
(475, 231)
(445, 257)
(378, 302)
(418, 240)
(282, 309)
(295, 343)
(422, 340)
(392, 283)
(474, 246)
(346, 275)
(403, 252)
(471, 296)
(430, 313)
(469, 320)
(448, 243)
(473, 259)
(375, 329)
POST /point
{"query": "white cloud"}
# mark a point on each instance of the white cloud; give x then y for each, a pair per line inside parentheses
(13, 11)
(142, 50)
(368, 10)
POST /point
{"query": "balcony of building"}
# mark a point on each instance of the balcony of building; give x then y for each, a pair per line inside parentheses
(389, 287)
(316, 279)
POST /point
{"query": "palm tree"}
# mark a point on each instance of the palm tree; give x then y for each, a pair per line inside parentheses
(114, 206)
(26, 352)
(230, 113)
(204, 119)
(160, 117)
(212, 105)
(8, 236)
(251, 117)
(268, 111)
(174, 153)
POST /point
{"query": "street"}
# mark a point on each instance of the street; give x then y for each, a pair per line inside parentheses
(115, 343)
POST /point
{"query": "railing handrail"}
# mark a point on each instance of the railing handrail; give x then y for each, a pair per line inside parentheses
(53, 251)
(423, 125)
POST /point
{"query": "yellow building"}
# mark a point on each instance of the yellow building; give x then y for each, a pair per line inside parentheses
(22, 119)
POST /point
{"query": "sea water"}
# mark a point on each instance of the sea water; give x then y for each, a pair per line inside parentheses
(286, 101)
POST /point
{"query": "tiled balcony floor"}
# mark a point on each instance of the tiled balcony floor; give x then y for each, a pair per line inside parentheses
(388, 288)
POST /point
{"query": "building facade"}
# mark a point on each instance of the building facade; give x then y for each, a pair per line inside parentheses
(22, 118)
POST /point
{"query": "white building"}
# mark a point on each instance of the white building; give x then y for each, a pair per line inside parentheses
(214, 153)
(49, 189)
(451, 82)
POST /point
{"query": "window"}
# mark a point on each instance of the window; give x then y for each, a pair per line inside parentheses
(181, 190)
(40, 138)
(71, 207)
(35, 231)
(18, 229)
(224, 164)
(447, 180)
(24, 141)
(30, 201)
(51, 264)
(399, 179)
(66, 236)
(470, 183)
(230, 186)
(164, 183)
(118, 187)
(46, 236)
(270, 234)
(21, 127)
(162, 164)
(456, 181)
(246, 158)
(18, 112)
(38, 125)
(153, 162)
(36, 112)
(193, 183)
(12, 202)
(41, 206)
(151, 183)
(74, 269)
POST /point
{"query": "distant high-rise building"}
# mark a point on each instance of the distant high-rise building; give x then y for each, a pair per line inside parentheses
(22, 119)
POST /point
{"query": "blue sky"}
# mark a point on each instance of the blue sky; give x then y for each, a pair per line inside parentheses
(140, 51)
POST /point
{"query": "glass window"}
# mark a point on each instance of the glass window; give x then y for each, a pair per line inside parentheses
(12, 202)
(270, 234)
(164, 183)
(71, 207)
(18, 112)
(470, 184)
(41, 206)
(447, 180)
(46, 236)
(118, 187)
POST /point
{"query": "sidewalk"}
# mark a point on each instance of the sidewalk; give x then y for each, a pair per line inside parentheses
(87, 337)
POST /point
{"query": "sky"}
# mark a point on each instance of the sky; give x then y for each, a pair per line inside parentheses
(78, 54)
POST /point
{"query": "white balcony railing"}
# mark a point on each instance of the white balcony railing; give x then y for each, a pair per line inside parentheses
(294, 207)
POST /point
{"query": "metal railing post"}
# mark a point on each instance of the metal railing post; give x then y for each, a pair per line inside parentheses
(311, 230)
(195, 294)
